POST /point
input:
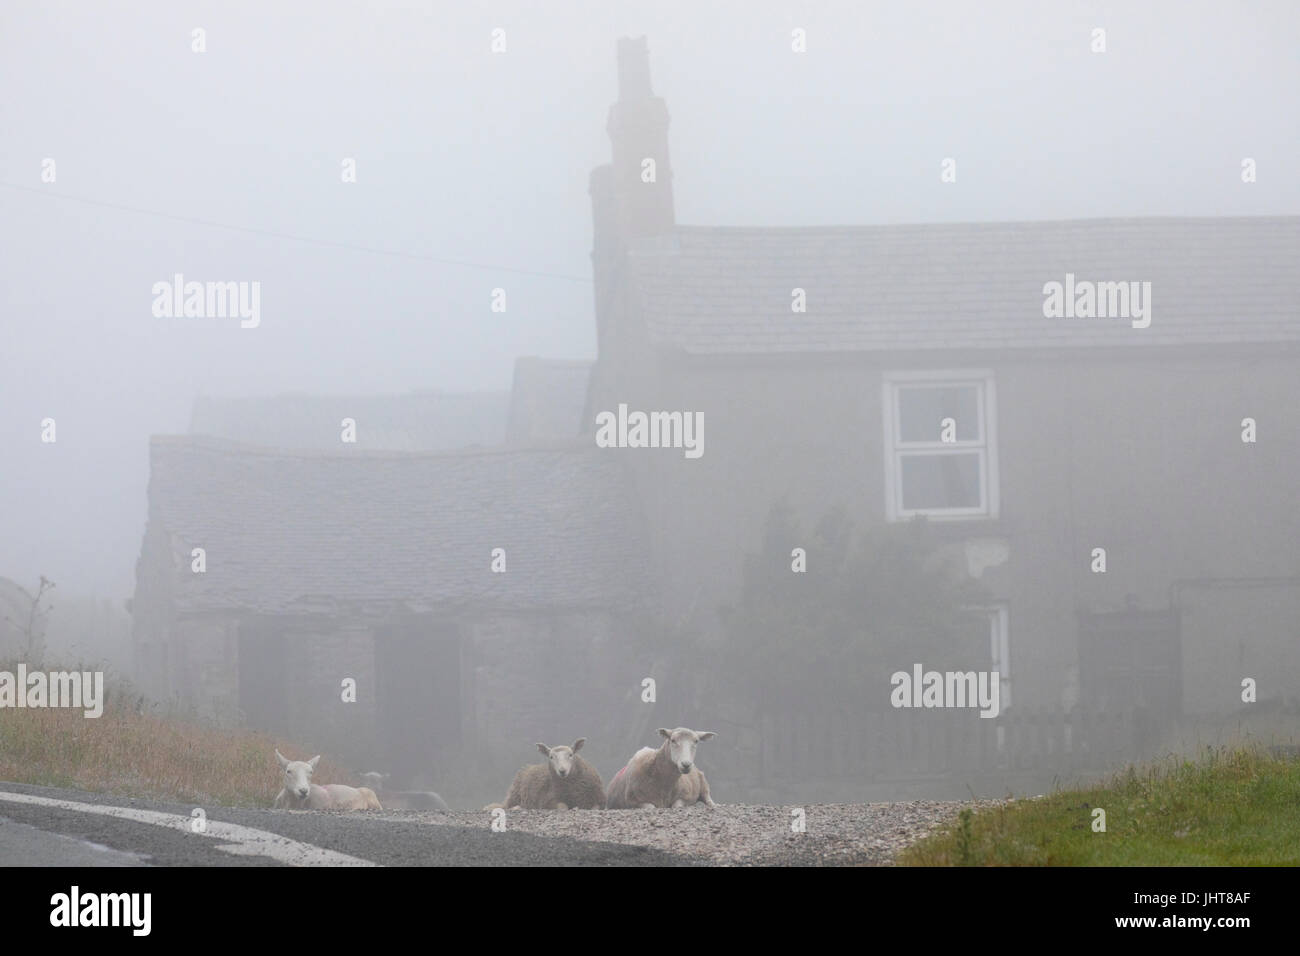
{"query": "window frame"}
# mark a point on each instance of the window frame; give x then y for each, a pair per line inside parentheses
(896, 450)
(1000, 645)
(998, 615)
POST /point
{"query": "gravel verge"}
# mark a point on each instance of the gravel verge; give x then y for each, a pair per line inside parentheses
(838, 834)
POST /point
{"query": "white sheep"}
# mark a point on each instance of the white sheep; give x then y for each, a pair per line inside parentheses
(564, 782)
(299, 793)
(402, 799)
(666, 777)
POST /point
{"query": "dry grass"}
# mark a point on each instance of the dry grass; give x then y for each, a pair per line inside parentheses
(143, 755)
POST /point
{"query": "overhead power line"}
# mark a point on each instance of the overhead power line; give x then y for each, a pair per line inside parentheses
(354, 247)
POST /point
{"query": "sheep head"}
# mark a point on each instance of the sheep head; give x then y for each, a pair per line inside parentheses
(297, 774)
(561, 757)
(681, 745)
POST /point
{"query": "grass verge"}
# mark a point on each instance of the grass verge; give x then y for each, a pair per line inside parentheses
(1230, 807)
(133, 754)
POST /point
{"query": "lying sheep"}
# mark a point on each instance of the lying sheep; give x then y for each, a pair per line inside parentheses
(299, 793)
(402, 799)
(666, 777)
(564, 782)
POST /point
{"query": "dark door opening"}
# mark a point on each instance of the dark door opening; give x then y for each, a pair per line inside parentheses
(417, 667)
(263, 676)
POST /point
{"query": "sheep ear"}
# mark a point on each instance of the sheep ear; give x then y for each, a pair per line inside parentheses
(313, 762)
(281, 757)
(665, 733)
(706, 735)
(577, 744)
(544, 749)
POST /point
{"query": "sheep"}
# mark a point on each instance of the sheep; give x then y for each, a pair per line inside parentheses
(299, 793)
(692, 788)
(666, 777)
(564, 782)
(402, 799)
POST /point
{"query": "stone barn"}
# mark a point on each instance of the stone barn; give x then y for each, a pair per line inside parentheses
(479, 599)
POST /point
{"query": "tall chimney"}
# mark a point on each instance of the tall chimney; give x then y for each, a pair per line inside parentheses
(638, 131)
(623, 204)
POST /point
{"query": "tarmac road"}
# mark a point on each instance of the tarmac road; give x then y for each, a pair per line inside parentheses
(43, 826)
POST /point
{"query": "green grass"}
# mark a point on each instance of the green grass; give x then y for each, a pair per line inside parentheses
(1231, 807)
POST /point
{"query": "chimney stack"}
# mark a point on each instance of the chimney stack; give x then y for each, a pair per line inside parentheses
(633, 70)
(642, 180)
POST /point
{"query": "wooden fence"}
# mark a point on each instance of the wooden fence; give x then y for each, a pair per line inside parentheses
(845, 743)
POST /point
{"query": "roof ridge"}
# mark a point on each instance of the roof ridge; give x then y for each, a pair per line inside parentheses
(353, 396)
(1086, 220)
(230, 446)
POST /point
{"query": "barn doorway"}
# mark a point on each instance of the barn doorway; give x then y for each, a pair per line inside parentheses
(263, 676)
(418, 702)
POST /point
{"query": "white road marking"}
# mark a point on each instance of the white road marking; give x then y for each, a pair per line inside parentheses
(243, 841)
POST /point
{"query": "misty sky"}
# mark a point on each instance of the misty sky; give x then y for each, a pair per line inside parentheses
(466, 155)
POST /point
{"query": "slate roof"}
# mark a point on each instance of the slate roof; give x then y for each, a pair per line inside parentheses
(965, 286)
(287, 532)
(547, 399)
(415, 421)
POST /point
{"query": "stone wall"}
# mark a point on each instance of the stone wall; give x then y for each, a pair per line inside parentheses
(1169, 489)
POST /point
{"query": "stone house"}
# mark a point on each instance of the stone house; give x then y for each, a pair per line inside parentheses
(825, 360)
(478, 598)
